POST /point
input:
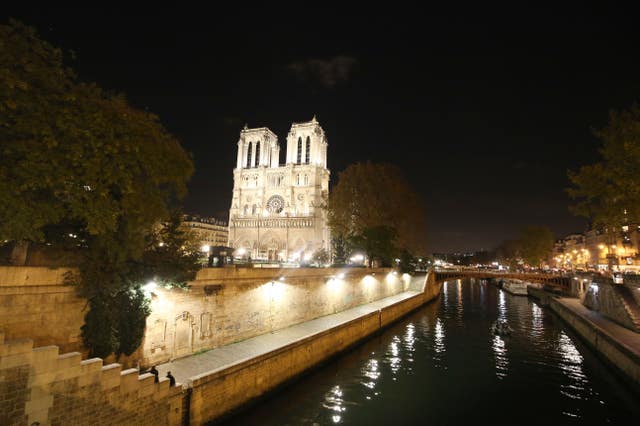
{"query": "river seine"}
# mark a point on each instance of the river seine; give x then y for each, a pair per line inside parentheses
(442, 365)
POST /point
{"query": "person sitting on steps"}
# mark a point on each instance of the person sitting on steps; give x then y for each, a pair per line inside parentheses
(172, 380)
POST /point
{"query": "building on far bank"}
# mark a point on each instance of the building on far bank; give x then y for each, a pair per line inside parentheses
(211, 232)
(276, 211)
(600, 251)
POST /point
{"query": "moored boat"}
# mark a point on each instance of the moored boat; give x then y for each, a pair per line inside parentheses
(517, 287)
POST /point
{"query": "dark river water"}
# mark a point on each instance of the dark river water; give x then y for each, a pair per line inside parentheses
(442, 365)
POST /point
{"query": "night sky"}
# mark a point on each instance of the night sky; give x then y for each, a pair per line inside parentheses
(485, 109)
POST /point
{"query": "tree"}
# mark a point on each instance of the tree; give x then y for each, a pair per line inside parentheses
(79, 162)
(509, 252)
(378, 242)
(408, 263)
(339, 248)
(608, 192)
(536, 244)
(371, 196)
(72, 153)
(320, 257)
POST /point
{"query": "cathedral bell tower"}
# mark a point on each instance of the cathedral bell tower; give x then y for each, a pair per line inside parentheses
(277, 212)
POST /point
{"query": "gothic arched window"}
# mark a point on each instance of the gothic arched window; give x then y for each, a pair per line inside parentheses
(257, 153)
(306, 179)
(249, 156)
(299, 151)
(246, 209)
(307, 154)
(254, 209)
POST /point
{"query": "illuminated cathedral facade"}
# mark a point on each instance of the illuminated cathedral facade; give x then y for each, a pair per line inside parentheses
(277, 209)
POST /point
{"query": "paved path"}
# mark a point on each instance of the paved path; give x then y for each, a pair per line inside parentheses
(226, 356)
(623, 335)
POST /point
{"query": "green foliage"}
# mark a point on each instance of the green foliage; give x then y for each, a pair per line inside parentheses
(408, 262)
(320, 257)
(370, 195)
(339, 247)
(510, 253)
(608, 192)
(133, 310)
(173, 257)
(99, 331)
(113, 283)
(74, 154)
(536, 243)
(78, 161)
(377, 242)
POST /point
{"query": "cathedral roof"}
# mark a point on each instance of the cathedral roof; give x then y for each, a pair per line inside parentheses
(313, 121)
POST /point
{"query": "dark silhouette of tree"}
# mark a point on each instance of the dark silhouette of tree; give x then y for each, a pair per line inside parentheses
(608, 192)
(536, 244)
(79, 162)
(373, 197)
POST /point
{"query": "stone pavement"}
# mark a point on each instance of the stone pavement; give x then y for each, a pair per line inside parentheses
(622, 335)
(226, 356)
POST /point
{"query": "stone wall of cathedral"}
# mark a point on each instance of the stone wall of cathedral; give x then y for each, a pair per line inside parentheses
(277, 210)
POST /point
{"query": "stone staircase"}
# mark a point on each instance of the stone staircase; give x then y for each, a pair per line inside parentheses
(630, 305)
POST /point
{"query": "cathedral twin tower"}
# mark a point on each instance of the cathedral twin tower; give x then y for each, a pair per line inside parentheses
(277, 210)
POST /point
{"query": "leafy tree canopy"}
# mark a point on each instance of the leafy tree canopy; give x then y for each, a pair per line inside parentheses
(608, 192)
(378, 242)
(536, 243)
(77, 161)
(73, 153)
(371, 195)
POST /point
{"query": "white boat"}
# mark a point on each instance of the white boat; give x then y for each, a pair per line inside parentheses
(517, 287)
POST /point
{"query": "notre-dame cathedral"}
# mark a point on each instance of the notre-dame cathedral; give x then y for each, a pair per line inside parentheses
(277, 210)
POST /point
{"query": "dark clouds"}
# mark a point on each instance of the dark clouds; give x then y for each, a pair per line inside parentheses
(326, 73)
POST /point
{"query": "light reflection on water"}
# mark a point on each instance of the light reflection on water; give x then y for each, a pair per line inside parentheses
(444, 361)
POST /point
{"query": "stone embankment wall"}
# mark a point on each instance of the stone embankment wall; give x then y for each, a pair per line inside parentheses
(226, 305)
(35, 304)
(614, 351)
(222, 305)
(40, 386)
(43, 387)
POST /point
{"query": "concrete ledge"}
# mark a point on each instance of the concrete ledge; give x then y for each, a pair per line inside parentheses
(612, 348)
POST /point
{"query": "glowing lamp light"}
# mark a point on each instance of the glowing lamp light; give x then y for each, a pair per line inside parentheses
(149, 287)
(341, 276)
(281, 278)
(369, 280)
(205, 248)
(241, 251)
(307, 256)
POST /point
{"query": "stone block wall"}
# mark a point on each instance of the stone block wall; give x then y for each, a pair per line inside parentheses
(41, 386)
(222, 305)
(35, 304)
(226, 305)
(603, 296)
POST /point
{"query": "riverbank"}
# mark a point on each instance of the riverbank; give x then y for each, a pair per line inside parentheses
(618, 346)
